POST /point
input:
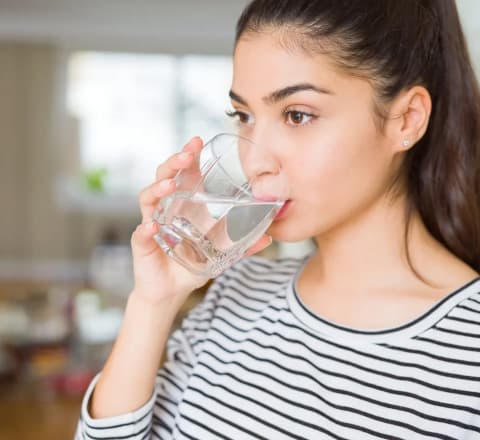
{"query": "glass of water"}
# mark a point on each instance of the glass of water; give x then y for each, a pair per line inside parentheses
(223, 203)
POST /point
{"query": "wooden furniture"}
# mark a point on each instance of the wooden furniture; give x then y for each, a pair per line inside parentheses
(25, 416)
(30, 413)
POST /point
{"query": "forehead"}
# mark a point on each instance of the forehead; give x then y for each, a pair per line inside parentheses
(261, 62)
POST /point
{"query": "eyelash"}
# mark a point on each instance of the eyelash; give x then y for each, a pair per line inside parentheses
(240, 115)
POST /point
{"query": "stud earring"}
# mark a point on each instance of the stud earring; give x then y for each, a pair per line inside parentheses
(406, 142)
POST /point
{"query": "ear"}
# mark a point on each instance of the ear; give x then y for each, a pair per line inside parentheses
(409, 116)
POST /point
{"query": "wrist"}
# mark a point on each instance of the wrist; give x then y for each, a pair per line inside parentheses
(141, 299)
(145, 320)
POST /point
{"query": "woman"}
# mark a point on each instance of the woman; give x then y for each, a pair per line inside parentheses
(372, 109)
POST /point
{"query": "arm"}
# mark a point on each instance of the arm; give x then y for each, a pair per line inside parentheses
(122, 394)
(128, 378)
(120, 402)
(157, 414)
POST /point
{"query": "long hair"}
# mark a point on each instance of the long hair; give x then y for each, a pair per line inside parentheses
(397, 45)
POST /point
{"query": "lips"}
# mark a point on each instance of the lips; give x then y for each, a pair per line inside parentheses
(283, 210)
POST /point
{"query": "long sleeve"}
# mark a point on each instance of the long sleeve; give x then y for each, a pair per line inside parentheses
(156, 418)
(253, 361)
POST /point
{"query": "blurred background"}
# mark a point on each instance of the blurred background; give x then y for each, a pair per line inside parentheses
(93, 96)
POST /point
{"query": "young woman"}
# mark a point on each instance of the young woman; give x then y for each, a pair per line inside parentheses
(373, 110)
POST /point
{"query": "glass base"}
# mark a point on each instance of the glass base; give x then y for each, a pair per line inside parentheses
(194, 251)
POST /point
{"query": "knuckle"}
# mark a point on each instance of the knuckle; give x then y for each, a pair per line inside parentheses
(137, 232)
(145, 194)
(159, 170)
(133, 237)
(142, 196)
(166, 169)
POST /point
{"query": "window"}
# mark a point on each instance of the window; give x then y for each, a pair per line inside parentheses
(133, 111)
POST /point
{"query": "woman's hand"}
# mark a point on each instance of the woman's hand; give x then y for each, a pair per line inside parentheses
(157, 276)
(161, 287)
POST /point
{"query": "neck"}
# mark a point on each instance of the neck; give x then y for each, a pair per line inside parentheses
(369, 250)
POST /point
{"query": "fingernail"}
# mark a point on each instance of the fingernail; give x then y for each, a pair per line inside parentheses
(164, 184)
(185, 155)
(270, 240)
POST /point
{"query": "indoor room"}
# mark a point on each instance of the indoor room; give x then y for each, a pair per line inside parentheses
(95, 95)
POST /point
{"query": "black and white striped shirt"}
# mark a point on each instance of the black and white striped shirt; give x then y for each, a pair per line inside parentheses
(253, 362)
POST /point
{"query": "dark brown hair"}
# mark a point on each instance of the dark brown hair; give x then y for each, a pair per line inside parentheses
(397, 45)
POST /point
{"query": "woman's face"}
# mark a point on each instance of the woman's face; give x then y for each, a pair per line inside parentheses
(319, 123)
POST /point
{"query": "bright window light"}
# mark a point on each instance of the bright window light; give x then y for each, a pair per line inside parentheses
(133, 111)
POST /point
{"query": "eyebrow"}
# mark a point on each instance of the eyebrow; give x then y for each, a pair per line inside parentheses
(283, 93)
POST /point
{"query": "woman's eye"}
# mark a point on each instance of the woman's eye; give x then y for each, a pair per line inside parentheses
(242, 117)
(292, 117)
(295, 117)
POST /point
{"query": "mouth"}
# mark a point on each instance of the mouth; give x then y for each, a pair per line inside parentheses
(281, 213)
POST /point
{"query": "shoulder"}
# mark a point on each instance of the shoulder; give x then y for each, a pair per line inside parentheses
(463, 320)
(240, 294)
(470, 306)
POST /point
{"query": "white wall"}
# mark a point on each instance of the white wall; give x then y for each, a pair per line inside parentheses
(470, 16)
(172, 26)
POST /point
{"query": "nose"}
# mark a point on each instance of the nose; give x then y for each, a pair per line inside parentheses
(262, 168)
(257, 155)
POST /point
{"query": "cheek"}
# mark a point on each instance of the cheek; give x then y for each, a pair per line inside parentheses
(333, 176)
(342, 166)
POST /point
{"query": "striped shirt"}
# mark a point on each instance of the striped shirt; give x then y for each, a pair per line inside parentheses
(251, 361)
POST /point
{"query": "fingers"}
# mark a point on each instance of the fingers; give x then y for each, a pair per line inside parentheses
(165, 184)
(180, 160)
(173, 164)
(151, 195)
(142, 241)
(261, 244)
(194, 145)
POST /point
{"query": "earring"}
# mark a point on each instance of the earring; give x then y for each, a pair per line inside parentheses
(406, 142)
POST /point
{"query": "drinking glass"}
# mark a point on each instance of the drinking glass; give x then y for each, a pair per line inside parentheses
(223, 203)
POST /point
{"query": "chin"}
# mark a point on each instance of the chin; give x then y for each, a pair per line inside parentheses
(288, 231)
